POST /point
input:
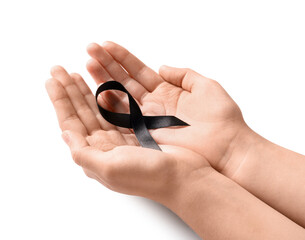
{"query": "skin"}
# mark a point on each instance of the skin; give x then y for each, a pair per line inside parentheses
(215, 119)
(218, 131)
(183, 176)
(89, 135)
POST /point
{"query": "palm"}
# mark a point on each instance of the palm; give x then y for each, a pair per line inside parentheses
(213, 116)
(77, 111)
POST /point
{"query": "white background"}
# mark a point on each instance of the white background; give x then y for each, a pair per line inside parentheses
(255, 49)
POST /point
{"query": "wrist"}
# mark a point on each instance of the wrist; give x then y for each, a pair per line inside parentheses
(196, 198)
(216, 207)
(242, 147)
(187, 189)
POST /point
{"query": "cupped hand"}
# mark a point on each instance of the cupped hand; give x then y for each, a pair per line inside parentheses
(217, 128)
(112, 157)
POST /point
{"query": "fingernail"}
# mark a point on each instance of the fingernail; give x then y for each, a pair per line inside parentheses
(105, 43)
(164, 66)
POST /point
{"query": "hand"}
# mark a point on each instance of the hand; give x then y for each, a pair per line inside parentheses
(217, 129)
(112, 157)
(216, 123)
(178, 178)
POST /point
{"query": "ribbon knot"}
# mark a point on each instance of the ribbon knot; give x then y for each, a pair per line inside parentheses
(135, 120)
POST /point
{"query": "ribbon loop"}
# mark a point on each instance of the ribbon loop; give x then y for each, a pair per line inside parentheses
(135, 120)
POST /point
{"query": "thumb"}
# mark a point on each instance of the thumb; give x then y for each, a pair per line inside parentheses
(74, 140)
(180, 77)
(82, 153)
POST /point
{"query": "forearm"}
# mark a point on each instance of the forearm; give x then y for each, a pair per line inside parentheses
(275, 175)
(217, 208)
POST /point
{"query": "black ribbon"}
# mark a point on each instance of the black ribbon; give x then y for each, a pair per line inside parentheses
(135, 120)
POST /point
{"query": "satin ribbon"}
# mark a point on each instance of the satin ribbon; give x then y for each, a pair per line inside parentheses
(135, 120)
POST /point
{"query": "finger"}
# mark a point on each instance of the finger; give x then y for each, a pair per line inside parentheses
(96, 161)
(75, 141)
(79, 147)
(87, 94)
(173, 136)
(82, 153)
(97, 71)
(66, 114)
(84, 112)
(180, 77)
(137, 69)
(136, 170)
(116, 71)
(112, 101)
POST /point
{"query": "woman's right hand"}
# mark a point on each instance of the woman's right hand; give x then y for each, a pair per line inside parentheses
(217, 129)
